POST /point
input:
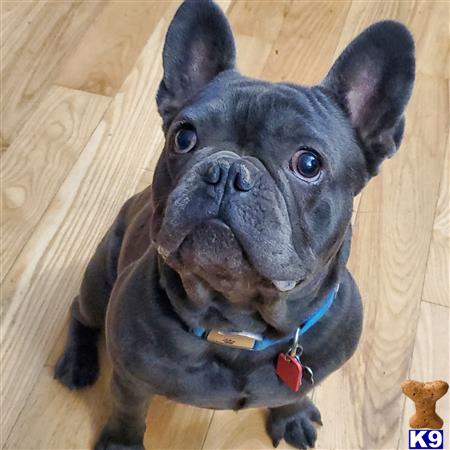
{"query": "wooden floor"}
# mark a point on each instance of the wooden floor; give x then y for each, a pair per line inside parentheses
(80, 134)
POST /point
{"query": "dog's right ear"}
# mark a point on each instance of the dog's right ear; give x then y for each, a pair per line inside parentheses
(199, 45)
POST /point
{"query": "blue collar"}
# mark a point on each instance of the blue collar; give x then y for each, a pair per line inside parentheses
(266, 342)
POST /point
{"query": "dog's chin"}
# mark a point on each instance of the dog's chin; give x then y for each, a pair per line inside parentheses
(212, 252)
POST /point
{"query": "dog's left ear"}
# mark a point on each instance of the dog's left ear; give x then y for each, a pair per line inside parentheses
(373, 80)
(199, 45)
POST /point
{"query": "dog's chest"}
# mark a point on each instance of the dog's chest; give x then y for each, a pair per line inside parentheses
(215, 381)
(183, 366)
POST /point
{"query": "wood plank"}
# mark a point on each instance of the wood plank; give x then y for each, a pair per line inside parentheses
(356, 201)
(239, 431)
(35, 37)
(145, 180)
(256, 25)
(46, 276)
(157, 147)
(56, 418)
(437, 284)
(258, 18)
(429, 363)
(303, 51)
(39, 159)
(172, 425)
(362, 403)
(109, 49)
(252, 54)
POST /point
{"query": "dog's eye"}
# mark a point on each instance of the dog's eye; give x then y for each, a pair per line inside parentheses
(306, 164)
(185, 139)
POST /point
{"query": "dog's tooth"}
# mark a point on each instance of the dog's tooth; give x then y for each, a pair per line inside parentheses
(284, 285)
(162, 251)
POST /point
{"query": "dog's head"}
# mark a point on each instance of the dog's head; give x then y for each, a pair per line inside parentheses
(256, 180)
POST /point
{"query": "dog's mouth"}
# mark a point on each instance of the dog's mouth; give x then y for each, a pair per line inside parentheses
(213, 250)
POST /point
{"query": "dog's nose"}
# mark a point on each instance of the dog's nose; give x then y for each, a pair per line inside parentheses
(238, 175)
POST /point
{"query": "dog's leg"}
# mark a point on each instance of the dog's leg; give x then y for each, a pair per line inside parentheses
(78, 367)
(294, 423)
(126, 426)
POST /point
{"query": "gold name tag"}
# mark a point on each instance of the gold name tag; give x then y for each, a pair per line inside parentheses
(232, 339)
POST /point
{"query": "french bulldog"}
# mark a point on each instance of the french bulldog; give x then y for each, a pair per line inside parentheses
(244, 234)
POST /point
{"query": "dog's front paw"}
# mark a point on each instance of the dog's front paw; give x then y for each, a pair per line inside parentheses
(108, 442)
(77, 368)
(294, 423)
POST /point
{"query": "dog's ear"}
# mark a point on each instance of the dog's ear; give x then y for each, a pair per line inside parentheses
(199, 45)
(373, 80)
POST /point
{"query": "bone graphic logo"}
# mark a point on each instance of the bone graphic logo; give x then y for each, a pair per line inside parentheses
(425, 396)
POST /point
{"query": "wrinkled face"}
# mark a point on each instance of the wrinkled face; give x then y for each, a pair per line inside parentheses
(261, 178)
(256, 181)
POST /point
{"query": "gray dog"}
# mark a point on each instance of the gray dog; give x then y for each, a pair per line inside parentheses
(224, 285)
